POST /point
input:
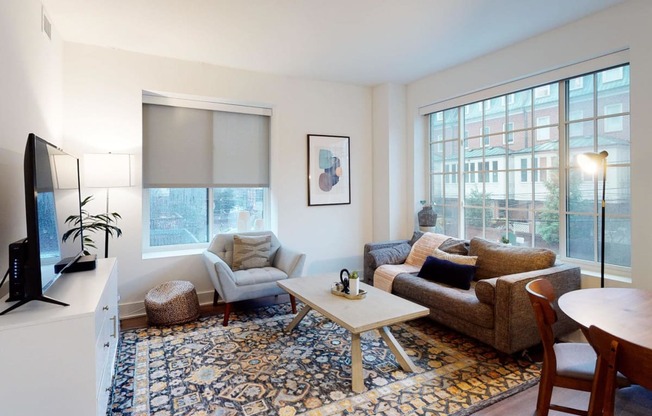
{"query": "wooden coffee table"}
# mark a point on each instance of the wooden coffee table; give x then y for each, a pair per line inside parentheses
(378, 310)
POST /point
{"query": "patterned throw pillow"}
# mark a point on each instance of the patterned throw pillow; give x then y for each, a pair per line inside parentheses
(251, 252)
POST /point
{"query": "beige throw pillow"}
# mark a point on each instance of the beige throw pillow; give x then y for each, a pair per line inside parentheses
(424, 247)
(251, 251)
(455, 258)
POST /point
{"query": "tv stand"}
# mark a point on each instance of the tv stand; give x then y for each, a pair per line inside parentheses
(24, 301)
(60, 361)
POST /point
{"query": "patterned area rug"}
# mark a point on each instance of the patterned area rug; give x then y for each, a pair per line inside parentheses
(253, 367)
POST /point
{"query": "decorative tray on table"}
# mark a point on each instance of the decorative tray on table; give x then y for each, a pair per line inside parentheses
(360, 295)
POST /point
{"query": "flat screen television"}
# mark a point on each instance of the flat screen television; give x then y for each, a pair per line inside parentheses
(52, 192)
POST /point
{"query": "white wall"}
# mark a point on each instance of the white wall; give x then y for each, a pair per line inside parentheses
(389, 162)
(30, 102)
(102, 112)
(626, 25)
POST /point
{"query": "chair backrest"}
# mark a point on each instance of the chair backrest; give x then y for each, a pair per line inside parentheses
(222, 245)
(542, 294)
(616, 355)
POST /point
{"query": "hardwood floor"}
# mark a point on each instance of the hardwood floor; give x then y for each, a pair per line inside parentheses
(521, 404)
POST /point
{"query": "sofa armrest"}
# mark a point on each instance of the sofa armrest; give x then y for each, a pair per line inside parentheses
(516, 326)
(369, 266)
(290, 261)
(217, 267)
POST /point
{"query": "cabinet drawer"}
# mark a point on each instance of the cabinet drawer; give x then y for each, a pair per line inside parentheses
(105, 346)
(107, 307)
(104, 393)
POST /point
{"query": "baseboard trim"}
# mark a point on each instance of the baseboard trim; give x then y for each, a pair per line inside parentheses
(137, 309)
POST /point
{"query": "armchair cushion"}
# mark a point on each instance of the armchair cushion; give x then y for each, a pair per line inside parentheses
(390, 255)
(255, 276)
(251, 252)
(222, 245)
(447, 272)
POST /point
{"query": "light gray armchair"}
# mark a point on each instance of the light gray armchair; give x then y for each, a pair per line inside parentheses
(252, 283)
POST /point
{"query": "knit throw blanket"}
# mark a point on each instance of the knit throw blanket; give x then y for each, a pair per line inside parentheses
(422, 248)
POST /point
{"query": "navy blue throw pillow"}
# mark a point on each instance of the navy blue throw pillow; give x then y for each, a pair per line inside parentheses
(447, 272)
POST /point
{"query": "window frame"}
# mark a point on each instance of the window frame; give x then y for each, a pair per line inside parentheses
(203, 103)
(550, 163)
(154, 251)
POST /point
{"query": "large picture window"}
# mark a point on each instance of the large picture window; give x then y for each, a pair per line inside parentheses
(518, 179)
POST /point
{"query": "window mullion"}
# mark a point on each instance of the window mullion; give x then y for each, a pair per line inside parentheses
(596, 136)
(211, 215)
(460, 181)
(563, 169)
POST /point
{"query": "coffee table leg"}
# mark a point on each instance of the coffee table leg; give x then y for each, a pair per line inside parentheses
(397, 350)
(357, 381)
(298, 318)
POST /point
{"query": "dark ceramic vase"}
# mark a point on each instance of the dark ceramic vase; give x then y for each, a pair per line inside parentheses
(427, 216)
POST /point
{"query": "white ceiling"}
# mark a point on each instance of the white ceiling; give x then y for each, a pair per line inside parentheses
(364, 42)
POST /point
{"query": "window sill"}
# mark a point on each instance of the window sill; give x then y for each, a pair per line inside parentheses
(591, 270)
(172, 253)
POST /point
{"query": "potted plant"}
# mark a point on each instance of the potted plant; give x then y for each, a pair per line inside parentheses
(89, 224)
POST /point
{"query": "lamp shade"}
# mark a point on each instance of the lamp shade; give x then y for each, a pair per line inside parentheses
(591, 162)
(107, 170)
(64, 172)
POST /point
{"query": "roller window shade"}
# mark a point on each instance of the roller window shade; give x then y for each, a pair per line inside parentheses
(240, 150)
(188, 147)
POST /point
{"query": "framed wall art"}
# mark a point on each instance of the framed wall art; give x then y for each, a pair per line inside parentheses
(329, 170)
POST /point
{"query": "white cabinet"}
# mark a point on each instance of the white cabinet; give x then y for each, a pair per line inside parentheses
(59, 361)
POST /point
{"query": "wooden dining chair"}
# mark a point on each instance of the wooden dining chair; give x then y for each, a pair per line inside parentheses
(616, 355)
(570, 365)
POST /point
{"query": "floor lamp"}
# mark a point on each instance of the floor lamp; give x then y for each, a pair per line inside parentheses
(590, 162)
(107, 170)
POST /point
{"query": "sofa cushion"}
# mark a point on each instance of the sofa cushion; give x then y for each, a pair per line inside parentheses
(495, 259)
(424, 247)
(389, 255)
(447, 272)
(454, 301)
(415, 236)
(455, 246)
(485, 290)
(251, 251)
(455, 258)
(385, 274)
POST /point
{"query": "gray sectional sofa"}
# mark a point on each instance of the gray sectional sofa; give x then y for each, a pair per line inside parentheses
(496, 309)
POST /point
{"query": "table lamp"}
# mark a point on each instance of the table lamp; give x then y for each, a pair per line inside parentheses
(590, 162)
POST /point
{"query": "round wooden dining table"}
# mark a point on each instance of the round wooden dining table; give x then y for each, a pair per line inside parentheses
(623, 312)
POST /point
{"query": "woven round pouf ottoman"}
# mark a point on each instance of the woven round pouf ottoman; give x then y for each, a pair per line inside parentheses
(171, 303)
